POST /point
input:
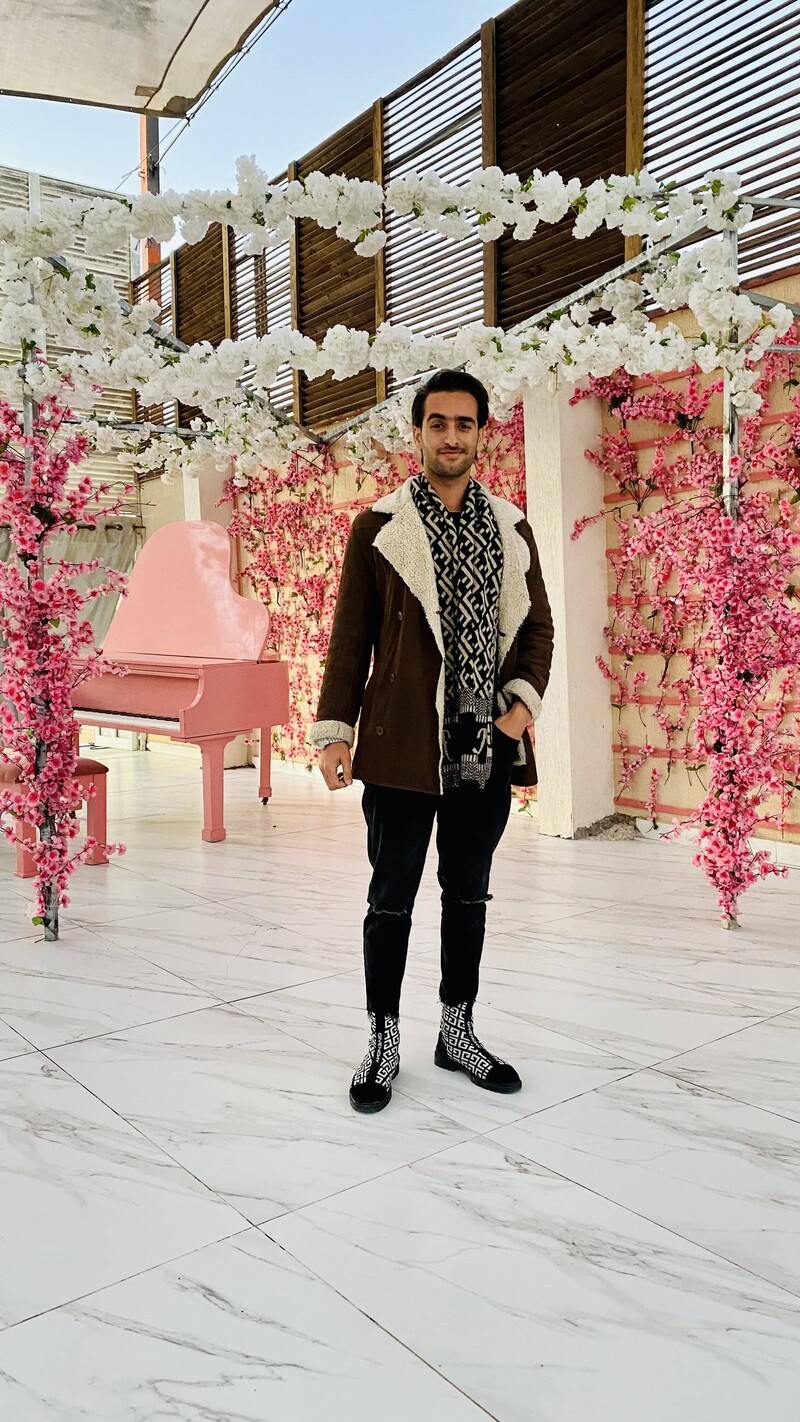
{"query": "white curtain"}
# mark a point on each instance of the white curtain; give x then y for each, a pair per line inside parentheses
(115, 543)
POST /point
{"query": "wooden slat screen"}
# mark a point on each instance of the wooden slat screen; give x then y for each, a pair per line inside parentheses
(156, 285)
(261, 301)
(722, 90)
(18, 189)
(103, 468)
(13, 193)
(199, 298)
(334, 285)
(435, 285)
(560, 104)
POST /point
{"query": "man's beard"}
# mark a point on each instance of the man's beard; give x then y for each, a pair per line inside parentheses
(445, 469)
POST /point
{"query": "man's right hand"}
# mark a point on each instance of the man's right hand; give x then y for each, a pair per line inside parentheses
(336, 764)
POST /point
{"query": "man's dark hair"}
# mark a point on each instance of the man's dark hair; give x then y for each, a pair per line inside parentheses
(450, 380)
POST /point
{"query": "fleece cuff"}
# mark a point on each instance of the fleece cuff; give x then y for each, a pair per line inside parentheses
(331, 731)
(525, 692)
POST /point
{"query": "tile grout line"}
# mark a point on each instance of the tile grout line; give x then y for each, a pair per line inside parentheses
(658, 1224)
(381, 1326)
(126, 1279)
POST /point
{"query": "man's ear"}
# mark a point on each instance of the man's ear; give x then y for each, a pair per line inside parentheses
(417, 435)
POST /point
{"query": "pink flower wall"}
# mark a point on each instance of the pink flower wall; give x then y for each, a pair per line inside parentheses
(293, 524)
(704, 619)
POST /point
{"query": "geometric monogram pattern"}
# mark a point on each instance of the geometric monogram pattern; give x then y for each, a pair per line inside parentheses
(382, 1061)
(467, 553)
(462, 1044)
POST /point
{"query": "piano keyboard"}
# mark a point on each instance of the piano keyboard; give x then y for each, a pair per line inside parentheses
(121, 720)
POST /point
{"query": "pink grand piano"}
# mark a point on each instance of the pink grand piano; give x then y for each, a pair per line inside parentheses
(194, 649)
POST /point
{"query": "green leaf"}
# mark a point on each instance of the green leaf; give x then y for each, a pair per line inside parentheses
(90, 281)
(38, 920)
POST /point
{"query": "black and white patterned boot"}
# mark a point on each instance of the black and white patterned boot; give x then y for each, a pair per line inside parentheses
(459, 1049)
(371, 1087)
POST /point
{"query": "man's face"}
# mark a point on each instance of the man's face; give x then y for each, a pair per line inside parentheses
(448, 439)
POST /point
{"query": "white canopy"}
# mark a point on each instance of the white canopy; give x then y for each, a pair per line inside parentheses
(152, 56)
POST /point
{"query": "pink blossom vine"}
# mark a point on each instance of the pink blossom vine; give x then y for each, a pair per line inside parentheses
(714, 600)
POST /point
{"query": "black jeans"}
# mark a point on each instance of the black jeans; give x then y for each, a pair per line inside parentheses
(399, 824)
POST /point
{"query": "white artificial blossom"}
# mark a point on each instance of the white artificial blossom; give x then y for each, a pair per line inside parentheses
(108, 347)
(98, 344)
(489, 203)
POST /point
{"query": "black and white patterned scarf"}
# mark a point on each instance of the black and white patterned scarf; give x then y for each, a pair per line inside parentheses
(468, 560)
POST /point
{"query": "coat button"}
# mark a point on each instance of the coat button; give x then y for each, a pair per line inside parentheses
(392, 676)
(379, 730)
(399, 616)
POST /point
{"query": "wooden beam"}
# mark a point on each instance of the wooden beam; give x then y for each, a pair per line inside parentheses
(489, 157)
(380, 257)
(150, 179)
(294, 282)
(227, 293)
(634, 123)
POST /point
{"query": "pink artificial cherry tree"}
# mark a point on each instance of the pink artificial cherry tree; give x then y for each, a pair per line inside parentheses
(47, 641)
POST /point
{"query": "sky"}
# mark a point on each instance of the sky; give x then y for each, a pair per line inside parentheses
(322, 63)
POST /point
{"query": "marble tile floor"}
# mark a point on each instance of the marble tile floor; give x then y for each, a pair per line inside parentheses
(194, 1225)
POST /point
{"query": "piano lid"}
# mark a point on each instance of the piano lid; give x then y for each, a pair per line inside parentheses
(181, 601)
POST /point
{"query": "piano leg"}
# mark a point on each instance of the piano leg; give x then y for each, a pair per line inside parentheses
(96, 818)
(23, 835)
(213, 755)
(264, 763)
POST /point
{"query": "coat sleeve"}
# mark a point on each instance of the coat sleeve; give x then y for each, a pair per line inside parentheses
(355, 627)
(535, 637)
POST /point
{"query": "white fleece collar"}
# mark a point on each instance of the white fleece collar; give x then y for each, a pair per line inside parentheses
(403, 542)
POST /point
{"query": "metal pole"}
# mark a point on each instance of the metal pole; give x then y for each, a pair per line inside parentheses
(29, 413)
(730, 419)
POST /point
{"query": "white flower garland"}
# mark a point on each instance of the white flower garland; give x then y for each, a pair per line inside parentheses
(242, 439)
(111, 348)
(489, 204)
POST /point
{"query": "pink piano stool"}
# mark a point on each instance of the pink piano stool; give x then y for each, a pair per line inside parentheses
(89, 773)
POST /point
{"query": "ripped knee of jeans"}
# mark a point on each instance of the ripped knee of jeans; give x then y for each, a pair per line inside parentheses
(448, 896)
(390, 913)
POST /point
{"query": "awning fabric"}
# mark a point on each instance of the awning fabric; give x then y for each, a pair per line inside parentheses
(152, 56)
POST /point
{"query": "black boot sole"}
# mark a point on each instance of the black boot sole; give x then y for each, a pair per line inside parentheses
(369, 1108)
(446, 1062)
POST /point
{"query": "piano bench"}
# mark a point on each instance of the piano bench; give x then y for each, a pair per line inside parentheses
(88, 773)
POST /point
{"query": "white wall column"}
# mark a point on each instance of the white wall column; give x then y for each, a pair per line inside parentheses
(574, 731)
(192, 510)
(201, 496)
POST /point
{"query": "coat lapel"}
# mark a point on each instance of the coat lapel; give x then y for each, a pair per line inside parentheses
(404, 544)
(514, 601)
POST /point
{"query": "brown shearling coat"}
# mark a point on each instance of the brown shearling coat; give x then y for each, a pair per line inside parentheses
(387, 614)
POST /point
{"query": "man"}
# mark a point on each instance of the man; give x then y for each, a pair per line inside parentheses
(441, 588)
